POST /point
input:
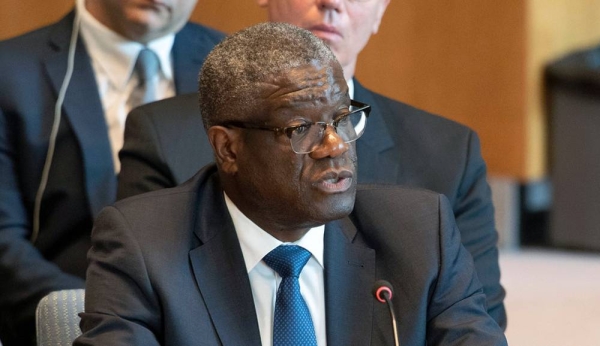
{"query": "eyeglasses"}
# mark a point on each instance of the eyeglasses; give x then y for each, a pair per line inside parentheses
(305, 137)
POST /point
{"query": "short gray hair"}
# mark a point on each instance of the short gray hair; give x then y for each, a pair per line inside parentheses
(233, 71)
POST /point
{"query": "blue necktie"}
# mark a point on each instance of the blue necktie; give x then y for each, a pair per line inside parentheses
(146, 67)
(292, 324)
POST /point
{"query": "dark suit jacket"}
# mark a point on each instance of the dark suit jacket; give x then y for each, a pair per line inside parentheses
(82, 178)
(165, 144)
(166, 268)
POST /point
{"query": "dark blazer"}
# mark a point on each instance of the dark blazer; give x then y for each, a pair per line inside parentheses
(82, 178)
(165, 144)
(166, 268)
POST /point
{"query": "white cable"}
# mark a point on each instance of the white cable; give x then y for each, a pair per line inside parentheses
(54, 132)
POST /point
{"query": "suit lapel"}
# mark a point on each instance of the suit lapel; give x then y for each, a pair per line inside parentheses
(374, 165)
(220, 272)
(188, 52)
(349, 276)
(83, 110)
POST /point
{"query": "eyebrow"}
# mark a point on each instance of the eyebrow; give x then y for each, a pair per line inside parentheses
(335, 114)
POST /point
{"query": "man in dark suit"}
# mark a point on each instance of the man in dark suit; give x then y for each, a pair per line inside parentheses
(82, 174)
(403, 145)
(204, 263)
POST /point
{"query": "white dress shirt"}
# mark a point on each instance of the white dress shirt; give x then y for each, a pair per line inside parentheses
(113, 58)
(256, 244)
(350, 83)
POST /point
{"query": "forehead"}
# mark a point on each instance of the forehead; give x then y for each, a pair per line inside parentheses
(305, 87)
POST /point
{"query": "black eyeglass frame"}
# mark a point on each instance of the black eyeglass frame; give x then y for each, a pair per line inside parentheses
(288, 130)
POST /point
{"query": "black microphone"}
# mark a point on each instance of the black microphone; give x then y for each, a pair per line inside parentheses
(383, 292)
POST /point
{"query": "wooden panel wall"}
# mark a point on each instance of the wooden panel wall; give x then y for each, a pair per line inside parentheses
(19, 16)
(465, 62)
(469, 61)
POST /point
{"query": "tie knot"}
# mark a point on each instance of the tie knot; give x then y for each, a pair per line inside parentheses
(146, 65)
(287, 260)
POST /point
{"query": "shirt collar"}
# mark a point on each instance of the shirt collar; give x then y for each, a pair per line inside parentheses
(257, 243)
(350, 83)
(115, 54)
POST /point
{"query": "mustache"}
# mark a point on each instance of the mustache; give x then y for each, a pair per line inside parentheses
(347, 161)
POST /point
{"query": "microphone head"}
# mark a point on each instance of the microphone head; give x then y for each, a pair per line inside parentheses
(382, 290)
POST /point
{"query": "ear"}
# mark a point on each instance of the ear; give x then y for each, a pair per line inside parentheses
(262, 3)
(226, 143)
(380, 10)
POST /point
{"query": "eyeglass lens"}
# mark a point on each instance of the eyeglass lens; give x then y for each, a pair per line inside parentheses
(349, 128)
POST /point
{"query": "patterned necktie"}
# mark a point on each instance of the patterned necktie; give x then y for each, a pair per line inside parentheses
(292, 324)
(146, 69)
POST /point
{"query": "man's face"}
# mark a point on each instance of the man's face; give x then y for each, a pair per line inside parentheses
(142, 20)
(297, 190)
(345, 25)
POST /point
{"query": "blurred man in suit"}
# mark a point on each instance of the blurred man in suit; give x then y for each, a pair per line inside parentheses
(125, 52)
(403, 145)
(206, 263)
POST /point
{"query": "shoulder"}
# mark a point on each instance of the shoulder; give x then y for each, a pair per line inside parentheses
(167, 214)
(174, 116)
(395, 192)
(21, 57)
(408, 121)
(37, 41)
(418, 134)
(380, 199)
(24, 49)
(153, 215)
(395, 112)
(397, 218)
(178, 106)
(180, 197)
(201, 32)
(394, 206)
(29, 39)
(154, 204)
(22, 69)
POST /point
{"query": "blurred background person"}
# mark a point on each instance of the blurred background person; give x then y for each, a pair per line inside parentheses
(125, 53)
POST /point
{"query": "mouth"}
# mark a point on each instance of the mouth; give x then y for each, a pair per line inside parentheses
(335, 182)
(155, 5)
(327, 33)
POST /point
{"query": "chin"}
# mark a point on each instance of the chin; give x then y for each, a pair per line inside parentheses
(343, 209)
(339, 206)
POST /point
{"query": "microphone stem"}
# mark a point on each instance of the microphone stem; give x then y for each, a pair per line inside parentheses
(393, 315)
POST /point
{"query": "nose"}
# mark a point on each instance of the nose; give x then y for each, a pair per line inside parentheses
(330, 4)
(332, 145)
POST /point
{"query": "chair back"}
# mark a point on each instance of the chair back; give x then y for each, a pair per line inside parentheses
(57, 319)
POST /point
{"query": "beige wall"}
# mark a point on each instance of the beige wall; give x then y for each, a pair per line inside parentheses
(477, 62)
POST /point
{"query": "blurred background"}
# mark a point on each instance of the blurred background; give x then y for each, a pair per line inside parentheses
(526, 76)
